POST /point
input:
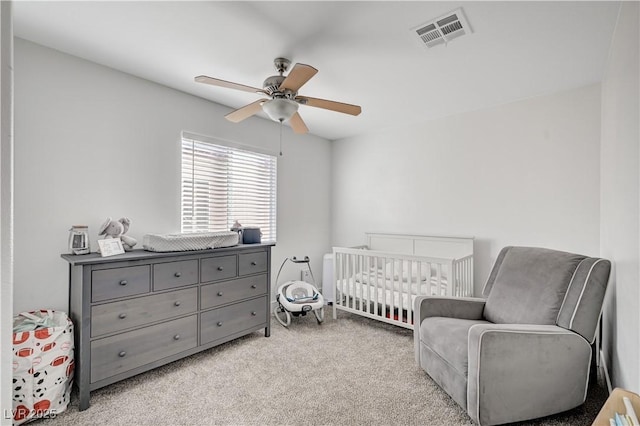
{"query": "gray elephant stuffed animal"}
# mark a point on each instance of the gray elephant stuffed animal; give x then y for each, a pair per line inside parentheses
(117, 229)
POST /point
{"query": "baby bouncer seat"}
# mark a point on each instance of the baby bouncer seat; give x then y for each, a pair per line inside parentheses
(298, 297)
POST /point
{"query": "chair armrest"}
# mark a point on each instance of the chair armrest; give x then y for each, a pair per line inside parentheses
(523, 371)
(443, 306)
(452, 307)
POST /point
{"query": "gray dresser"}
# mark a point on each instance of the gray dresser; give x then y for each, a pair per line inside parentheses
(139, 310)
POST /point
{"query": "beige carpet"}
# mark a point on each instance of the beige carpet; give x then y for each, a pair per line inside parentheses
(350, 371)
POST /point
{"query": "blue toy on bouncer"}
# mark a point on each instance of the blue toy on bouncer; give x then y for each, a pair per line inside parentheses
(297, 297)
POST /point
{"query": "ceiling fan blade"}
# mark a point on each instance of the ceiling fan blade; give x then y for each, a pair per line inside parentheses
(227, 84)
(246, 111)
(330, 105)
(297, 124)
(297, 77)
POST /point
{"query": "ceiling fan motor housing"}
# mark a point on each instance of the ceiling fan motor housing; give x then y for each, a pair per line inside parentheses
(272, 84)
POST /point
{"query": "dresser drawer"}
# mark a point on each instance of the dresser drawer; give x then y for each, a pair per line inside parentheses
(218, 268)
(119, 282)
(252, 263)
(219, 323)
(126, 351)
(230, 291)
(116, 316)
(175, 274)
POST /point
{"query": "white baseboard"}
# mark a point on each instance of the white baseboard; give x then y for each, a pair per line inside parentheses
(603, 365)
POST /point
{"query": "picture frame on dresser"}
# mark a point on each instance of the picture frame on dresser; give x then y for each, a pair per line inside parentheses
(140, 310)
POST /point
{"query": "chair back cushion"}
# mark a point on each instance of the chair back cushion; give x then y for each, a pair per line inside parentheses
(531, 285)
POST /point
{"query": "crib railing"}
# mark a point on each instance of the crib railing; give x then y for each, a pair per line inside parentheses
(463, 273)
(383, 285)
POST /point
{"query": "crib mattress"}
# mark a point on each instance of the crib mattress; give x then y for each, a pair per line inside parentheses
(189, 241)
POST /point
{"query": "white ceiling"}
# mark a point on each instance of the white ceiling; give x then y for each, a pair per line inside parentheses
(364, 51)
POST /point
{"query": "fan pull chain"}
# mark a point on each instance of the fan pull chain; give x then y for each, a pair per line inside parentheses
(281, 138)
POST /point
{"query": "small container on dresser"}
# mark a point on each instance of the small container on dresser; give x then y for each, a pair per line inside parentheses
(79, 240)
(251, 235)
(140, 310)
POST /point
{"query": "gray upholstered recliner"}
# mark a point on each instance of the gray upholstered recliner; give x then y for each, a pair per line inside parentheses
(523, 352)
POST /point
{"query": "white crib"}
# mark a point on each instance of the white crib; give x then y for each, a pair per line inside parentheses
(382, 279)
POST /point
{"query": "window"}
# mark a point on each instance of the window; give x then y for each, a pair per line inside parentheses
(222, 183)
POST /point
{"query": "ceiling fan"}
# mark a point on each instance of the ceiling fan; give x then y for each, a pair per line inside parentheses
(283, 93)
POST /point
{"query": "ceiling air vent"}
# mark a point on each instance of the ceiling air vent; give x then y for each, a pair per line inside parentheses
(443, 29)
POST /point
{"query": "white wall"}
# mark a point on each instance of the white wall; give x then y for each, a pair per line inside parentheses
(526, 173)
(620, 202)
(92, 142)
(6, 206)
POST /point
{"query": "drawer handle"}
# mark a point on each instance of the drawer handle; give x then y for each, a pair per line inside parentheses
(254, 313)
(253, 263)
(122, 316)
(219, 293)
(220, 268)
(176, 337)
(254, 286)
(122, 354)
(123, 282)
(177, 303)
(177, 275)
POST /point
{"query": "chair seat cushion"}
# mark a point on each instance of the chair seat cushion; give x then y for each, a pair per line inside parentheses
(448, 338)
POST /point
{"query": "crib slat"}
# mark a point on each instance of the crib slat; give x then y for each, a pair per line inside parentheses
(465, 271)
(346, 284)
(359, 296)
(460, 283)
(402, 271)
(454, 278)
(357, 303)
(341, 272)
(366, 283)
(356, 295)
(418, 292)
(381, 287)
(351, 274)
(365, 276)
(339, 276)
(379, 266)
(392, 285)
(364, 293)
(384, 287)
(465, 276)
(367, 264)
(462, 278)
(337, 271)
(457, 285)
(336, 274)
(373, 283)
(470, 275)
(451, 278)
(464, 284)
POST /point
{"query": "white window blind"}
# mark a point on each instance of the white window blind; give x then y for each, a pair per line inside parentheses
(222, 184)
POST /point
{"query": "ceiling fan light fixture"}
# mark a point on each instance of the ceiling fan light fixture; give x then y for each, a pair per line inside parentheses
(280, 109)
